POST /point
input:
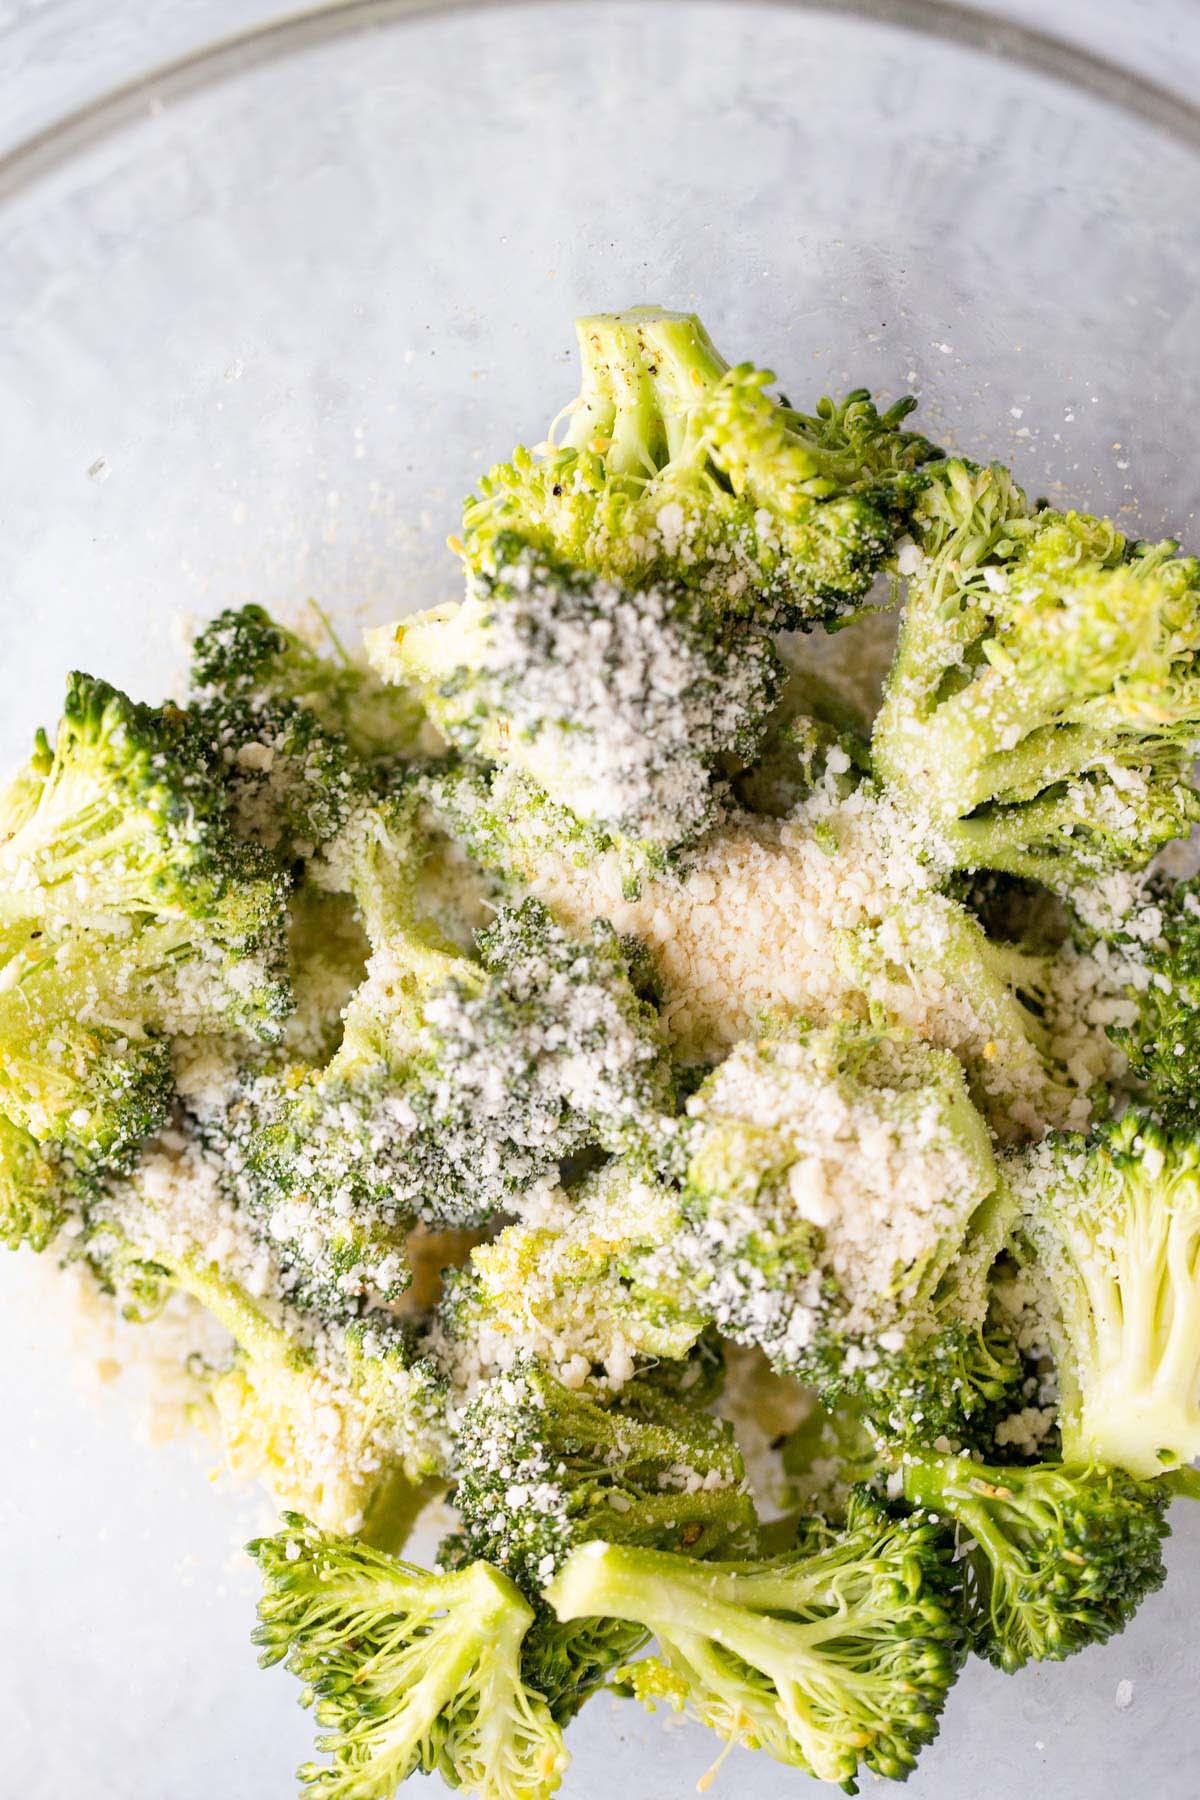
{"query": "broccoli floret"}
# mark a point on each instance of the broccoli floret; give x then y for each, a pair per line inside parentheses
(586, 1282)
(459, 1080)
(79, 1071)
(510, 826)
(832, 1178)
(1006, 996)
(619, 703)
(245, 656)
(128, 911)
(1115, 1228)
(478, 1075)
(677, 469)
(35, 1192)
(834, 1658)
(1044, 702)
(1161, 1043)
(1054, 1557)
(120, 819)
(543, 1468)
(346, 1422)
(410, 1671)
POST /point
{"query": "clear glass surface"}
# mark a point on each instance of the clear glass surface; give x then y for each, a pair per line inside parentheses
(262, 322)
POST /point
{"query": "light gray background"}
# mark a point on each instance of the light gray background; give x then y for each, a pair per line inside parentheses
(125, 1668)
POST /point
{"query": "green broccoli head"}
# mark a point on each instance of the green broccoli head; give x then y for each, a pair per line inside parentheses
(1055, 1557)
(676, 469)
(1162, 1041)
(82, 1071)
(619, 702)
(460, 1080)
(644, 1468)
(244, 660)
(833, 1177)
(1044, 702)
(834, 1658)
(543, 1468)
(409, 1671)
(1114, 1226)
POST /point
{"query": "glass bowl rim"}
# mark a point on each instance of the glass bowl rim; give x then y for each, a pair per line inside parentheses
(274, 39)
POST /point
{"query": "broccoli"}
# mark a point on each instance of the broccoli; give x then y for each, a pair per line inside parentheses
(542, 1469)
(618, 703)
(1115, 1228)
(410, 1671)
(35, 1191)
(128, 911)
(810, 736)
(832, 1178)
(1055, 1557)
(1044, 703)
(492, 1068)
(1162, 940)
(244, 656)
(835, 1657)
(676, 469)
(585, 1281)
(1004, 993)
(347, 1423)
(459, 1080)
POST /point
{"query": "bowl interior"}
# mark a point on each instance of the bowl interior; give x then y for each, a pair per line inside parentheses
(260, 330)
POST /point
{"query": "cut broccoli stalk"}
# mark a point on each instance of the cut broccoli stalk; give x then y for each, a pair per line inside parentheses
(1055, 1557)
(619, 703)
(834, 1658)
(543, 1468)
(1044, 703)
(1115, 1227)
(677, 469)
(410, 1671)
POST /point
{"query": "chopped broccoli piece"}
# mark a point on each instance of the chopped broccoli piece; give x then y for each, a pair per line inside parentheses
(1162, 1041)
(619, 703)
(1115, 1228)
(243, 655)
(1004, 992)
(1055, 1557)
(543, 1469)
(458, 1082)
(833, 1658)
(832, 1179)
(1044, 704)
(410, 1671)
(128, 911)
(586, 1283)
(347, 1423)
(34, 1190)
(677, 469)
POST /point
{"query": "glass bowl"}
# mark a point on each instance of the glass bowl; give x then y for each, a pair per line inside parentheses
(266, 316)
